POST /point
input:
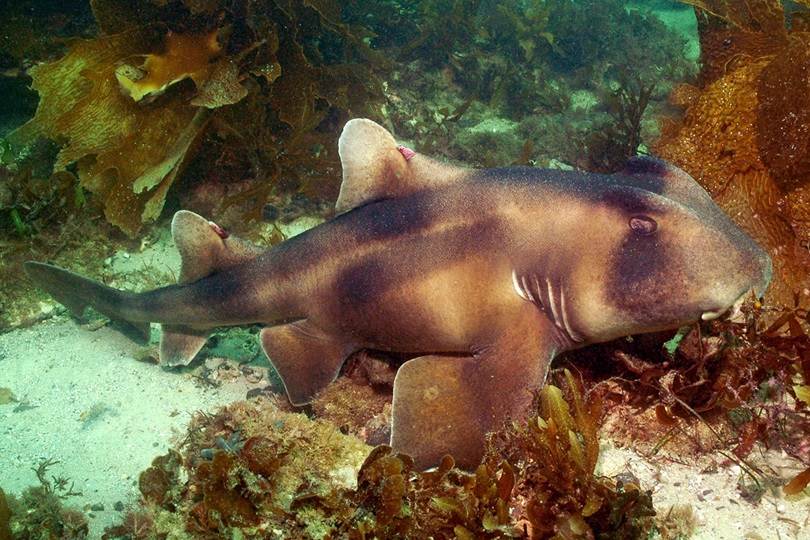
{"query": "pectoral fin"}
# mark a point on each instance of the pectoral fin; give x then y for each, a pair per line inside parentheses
(306, 358)
(446, 404)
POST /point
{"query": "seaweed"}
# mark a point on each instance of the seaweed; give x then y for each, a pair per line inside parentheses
(559, 450)
(359, 403)
(131, 127)
(156, 482)
(32, 30)
(39, 512)
(222, 487)
(743, 131)
(798, 483)
(7, 396)
(136, 525)
(610, 147)
(302, 478)
(240, 103)
(5, 517)
(729, 387)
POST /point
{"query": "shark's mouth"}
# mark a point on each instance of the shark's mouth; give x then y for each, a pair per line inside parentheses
(734, 310)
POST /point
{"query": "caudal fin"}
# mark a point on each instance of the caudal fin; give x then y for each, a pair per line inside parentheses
(77, 293)
(204, 247)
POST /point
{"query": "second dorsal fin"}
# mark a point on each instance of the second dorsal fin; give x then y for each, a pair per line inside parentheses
(375, 167)
(205, 247)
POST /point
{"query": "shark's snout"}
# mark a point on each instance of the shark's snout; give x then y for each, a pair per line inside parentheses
(754, 277)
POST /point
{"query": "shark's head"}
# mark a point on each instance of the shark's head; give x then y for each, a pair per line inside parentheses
(649, 250)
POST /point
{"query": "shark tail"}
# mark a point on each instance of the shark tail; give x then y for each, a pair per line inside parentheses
(77, 293)
(205, 248)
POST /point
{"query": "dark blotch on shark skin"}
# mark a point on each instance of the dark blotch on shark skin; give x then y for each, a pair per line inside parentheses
(591, 186)
(361, 283)
(645, 166)
(359, 290)
(376, 222)
(641, 271)
(643, 277)
(530, 176)
(629, 201)
(225, 290)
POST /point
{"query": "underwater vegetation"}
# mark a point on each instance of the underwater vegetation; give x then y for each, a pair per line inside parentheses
(255, 471)
(130, 106)
(40, 513)
(731, 386)
(743, 133)
(5, 517)
(246, 98)
(144, 90)
(528, 81)
(234, 106)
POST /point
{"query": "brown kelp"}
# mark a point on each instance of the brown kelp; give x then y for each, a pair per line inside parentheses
(743, 133)
(247, 98)
(252, 114)
(130, 106)
(556, 483)
(253, 468)
(728, 386)
(40, 511)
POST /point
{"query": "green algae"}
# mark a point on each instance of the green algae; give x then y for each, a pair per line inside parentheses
(39, 512)
(7, 396)
(5, 517)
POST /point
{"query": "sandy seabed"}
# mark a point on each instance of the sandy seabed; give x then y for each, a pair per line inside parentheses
(103, 415)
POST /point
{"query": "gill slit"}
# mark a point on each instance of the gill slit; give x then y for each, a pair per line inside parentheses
(530, 289)
(563, 308)
(540, 302)
(553, 304)
(517, 286)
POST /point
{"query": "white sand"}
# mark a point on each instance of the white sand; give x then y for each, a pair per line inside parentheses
(711, 490)
(66, 371)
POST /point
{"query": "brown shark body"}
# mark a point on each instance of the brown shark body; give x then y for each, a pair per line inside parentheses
(481, 275)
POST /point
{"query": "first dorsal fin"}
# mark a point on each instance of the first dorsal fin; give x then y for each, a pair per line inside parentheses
(204, 248)
(375, 167)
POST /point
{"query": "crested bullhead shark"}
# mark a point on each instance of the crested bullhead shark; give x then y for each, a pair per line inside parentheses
(481, 277)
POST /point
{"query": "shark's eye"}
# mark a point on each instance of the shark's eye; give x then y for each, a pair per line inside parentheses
(643, 225)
